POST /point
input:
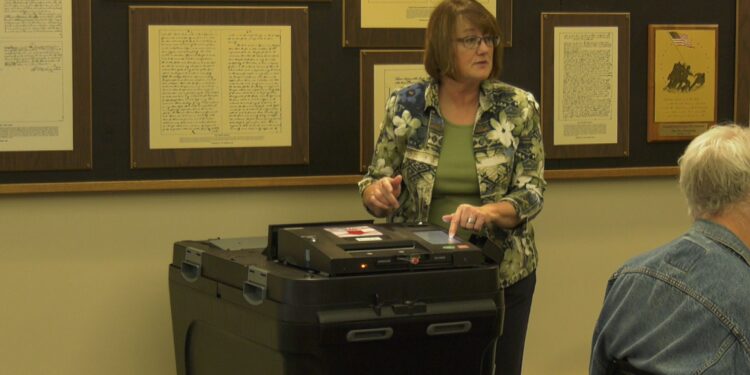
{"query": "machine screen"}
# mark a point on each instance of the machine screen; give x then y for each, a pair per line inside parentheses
(437, 237)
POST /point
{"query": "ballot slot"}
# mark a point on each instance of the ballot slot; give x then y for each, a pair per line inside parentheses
(380, 246)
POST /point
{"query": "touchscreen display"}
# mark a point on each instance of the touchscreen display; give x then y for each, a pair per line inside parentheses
(437, 237)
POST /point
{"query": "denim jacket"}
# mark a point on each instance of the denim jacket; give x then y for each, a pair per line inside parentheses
(681, 309)
(509, 158)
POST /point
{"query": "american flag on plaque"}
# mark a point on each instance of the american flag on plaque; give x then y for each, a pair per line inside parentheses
(679, 39)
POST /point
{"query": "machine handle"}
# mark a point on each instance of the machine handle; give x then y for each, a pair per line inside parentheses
(437, 329)
(254, 293)
(191, 264)
(254, 289)
(190, 271)
(371, 334)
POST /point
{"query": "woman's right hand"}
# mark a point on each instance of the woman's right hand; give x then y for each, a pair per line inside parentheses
(381, 198)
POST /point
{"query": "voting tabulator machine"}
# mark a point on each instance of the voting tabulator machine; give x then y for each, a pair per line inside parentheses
(360, 247)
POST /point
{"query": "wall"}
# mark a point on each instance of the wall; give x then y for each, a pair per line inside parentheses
(83, 277)
(586, 231)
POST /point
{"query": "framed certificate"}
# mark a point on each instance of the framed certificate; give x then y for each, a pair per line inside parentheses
(742, 65)
(401, 24)
(682, 80)
(218, 86)
(585, 88)
(45, 100)
(381, 73)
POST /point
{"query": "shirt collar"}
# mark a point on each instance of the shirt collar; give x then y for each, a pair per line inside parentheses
(485, 103)
(724, 236)
(431, 95)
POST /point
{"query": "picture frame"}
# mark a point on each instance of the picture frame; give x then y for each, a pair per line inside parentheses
(585, 84)
(79, 158)
(682, 81)
(742, 64)
(356, 36)
(258, 1)
(249, 19)
(390, 68)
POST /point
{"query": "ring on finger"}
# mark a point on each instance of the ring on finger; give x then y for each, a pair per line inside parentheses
(470, 220)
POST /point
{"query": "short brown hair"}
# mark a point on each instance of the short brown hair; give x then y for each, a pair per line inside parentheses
(439, 54)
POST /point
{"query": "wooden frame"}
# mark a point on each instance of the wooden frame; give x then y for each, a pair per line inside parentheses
(355, 36)
(80, 157)
(258, 1)
(143, 156)
(299, 181)
(368, 60)
(581, 22)
(674, 89)
(742, 64)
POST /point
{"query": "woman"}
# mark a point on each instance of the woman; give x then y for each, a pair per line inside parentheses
(464, 150)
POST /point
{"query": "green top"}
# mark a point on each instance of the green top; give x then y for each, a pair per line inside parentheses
(456, 176)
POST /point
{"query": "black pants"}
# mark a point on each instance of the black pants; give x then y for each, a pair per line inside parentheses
(509, 352)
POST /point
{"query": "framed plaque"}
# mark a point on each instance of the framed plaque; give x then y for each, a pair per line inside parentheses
(381, 73)
(260, 1)
(742, 65)
(585, 84)
(45, 100)
(401, 24)
(224, 86)
(682, 80)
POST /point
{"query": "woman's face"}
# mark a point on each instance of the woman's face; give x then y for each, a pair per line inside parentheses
(472, 64)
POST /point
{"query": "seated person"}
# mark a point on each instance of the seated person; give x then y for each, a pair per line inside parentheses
(684, 308)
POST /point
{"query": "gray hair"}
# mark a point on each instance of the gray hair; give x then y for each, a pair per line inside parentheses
(715, 170)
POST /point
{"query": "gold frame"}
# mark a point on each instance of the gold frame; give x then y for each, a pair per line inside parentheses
(691, 128)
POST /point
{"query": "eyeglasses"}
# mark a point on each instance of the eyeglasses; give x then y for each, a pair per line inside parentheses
(472, 42)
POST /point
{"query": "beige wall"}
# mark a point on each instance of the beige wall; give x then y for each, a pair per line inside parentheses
(586, 231)
(83, 277)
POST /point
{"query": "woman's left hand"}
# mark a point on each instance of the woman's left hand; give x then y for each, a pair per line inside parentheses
(469, 217)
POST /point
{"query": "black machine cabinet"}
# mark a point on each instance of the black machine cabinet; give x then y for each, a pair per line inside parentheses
(238, 310)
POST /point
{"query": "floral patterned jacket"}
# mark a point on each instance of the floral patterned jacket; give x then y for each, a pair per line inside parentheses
(509, 157)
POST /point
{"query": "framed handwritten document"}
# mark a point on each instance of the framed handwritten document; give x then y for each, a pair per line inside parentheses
(682, 80)
(381, 73)
(585, 84)
(261, 1)
(218, 86)
(742, 64)
(45, 85)
(401, 24)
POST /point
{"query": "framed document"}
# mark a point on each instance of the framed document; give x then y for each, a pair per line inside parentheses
(263, 1)
(381, 73)
(585, 84)
(45, 85)
(742, 65)
(401, 24)
(218, 86)
(682, 80)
